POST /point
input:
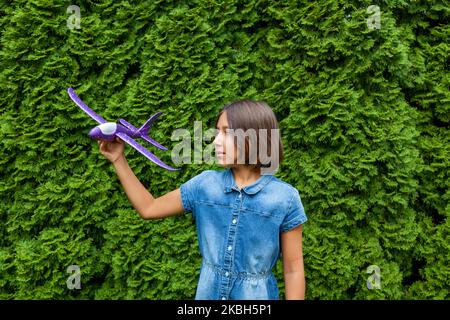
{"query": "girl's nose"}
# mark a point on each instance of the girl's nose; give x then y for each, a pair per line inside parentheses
(216, 141)
(216, 138)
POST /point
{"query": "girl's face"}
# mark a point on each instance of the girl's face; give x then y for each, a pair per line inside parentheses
(224, 144)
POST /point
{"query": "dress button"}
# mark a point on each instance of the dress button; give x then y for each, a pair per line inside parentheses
(234, 220)
(227, 274)
(223, 298)
(240, 195)
(229, 248)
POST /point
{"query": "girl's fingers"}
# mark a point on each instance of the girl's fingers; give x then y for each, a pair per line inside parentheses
(102, 146)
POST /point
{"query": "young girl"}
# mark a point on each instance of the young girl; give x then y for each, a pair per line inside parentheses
(242, 217)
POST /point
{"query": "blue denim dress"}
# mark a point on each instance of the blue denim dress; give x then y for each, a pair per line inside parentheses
(239, 232)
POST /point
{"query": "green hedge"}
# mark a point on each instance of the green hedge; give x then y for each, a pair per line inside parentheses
(364, 116)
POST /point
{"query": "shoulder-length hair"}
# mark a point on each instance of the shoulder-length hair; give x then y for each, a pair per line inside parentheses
(254, 116)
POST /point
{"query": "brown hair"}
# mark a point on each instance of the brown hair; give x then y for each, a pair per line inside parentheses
(250, 114)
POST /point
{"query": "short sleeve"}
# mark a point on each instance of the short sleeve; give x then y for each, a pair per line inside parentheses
(189, 191)
(295, 215)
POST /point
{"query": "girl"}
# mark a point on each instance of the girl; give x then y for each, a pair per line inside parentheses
(242, 217)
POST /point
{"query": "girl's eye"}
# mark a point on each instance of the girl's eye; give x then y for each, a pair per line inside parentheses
(226, 132)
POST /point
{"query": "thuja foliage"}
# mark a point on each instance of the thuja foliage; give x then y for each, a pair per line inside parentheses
(364, 113)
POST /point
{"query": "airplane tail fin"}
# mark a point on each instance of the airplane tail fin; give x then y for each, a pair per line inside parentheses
(146, 126)
(143, 131)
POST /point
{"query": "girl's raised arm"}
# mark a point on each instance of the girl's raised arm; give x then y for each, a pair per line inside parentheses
(165, 206)
(142, 200)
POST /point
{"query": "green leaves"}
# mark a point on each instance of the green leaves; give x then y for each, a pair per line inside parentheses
(364, 118)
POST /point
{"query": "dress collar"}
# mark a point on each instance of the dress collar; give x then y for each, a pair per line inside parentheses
(230, 183)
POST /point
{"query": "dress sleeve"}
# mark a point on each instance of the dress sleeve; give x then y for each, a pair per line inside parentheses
(295, 215)
(189, 191)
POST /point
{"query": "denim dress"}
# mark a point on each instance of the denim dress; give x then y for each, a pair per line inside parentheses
(239, 232)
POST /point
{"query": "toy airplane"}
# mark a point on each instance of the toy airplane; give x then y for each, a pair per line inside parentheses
(124, 130)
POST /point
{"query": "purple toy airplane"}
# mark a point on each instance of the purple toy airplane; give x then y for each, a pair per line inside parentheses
(124, 130)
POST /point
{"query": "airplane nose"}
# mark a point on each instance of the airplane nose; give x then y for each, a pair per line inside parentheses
(96, 133)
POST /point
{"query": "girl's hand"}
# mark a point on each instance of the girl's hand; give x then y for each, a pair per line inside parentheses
(112, 150)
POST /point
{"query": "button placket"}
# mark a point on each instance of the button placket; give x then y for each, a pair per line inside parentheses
(234, 221)
(228, 256)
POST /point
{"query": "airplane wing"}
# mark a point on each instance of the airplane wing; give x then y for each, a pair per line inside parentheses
(144, 151)
(128, 125)
(84, 107)
(154, 142)
(144, 136)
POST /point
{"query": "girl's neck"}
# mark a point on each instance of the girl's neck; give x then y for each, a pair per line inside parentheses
(244, 176)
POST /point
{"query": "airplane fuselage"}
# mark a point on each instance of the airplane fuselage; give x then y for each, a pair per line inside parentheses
(107, 131)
